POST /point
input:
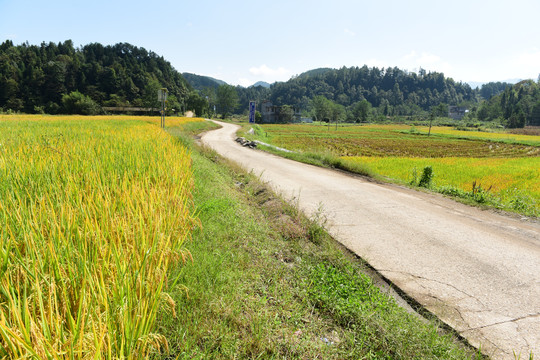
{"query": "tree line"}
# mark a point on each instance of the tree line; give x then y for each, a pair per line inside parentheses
(391, 91)
(59, 78)
(365, 94)
(518, 105)
(360, 94)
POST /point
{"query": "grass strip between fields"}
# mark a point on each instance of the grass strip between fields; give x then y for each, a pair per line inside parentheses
(267, 283)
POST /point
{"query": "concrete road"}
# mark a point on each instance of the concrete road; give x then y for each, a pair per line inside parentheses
(478, 271)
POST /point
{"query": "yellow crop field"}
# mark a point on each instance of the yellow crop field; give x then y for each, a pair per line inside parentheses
(506, 177)
(502, 166)
(94, 211)
(170, 121)
(504, 136)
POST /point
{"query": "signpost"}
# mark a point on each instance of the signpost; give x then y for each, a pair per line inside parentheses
(252, 112)
(162, 96)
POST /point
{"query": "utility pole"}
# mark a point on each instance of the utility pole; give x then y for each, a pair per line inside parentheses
(431, 116)
(162, 96)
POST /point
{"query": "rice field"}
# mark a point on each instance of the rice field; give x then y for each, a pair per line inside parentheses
(94, 211)
(504, 165)
(395, 140)
(492, 136)
(516, 181)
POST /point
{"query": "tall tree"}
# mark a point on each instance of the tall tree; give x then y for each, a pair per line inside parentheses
(227, 99)
(321, 108)
(197, 103)
(337, 112)
(286, 113)
(361, 111)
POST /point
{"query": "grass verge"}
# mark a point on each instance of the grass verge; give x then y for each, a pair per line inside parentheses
(266, 283)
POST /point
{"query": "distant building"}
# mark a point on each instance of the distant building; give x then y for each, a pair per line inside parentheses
(457, 112)
(271, 113)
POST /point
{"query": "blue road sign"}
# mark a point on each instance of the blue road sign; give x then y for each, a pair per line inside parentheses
(252, 112)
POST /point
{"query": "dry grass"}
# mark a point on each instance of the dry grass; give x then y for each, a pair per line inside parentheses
(529, 131)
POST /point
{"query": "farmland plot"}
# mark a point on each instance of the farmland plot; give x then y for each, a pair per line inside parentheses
(501, 169)
(93, 213)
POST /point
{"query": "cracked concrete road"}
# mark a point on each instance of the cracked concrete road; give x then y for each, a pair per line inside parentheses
(478, 271)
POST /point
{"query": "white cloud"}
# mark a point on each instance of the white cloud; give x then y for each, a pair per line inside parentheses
(425, 60)
(410, 56)
(349, 32)
(373, 62)
(527, 64)
(265, 72)
(245, 82)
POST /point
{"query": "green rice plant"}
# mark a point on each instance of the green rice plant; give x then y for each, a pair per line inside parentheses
(93, 214)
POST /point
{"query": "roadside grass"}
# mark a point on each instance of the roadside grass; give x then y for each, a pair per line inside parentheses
(190, 129)
(267, 283)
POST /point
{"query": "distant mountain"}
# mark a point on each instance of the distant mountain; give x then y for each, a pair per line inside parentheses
(264, 84)
(200, 82)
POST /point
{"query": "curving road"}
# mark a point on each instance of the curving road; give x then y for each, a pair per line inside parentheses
(478, 271)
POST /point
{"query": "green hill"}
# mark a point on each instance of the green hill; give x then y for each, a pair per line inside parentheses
(49, 76)
(200, 82)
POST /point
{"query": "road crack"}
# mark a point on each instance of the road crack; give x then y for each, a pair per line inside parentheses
(435, 281)
(505, 322)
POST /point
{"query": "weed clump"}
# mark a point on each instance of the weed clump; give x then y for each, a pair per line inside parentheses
(427, 176)
(425, 179)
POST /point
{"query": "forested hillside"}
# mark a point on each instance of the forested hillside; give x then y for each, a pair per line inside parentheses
(59, 78)
(363, 94)
(518, 105)
(199, 82)
(56, 78)
(394, 91)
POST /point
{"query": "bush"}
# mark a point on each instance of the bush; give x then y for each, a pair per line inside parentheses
(39, 109)
(427, 176)
(77, 103)
(52, 108)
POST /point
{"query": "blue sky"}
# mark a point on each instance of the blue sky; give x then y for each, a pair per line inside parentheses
(242, 42)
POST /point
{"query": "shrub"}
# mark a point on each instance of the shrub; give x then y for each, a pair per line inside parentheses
(77, 103)
(427, 176)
